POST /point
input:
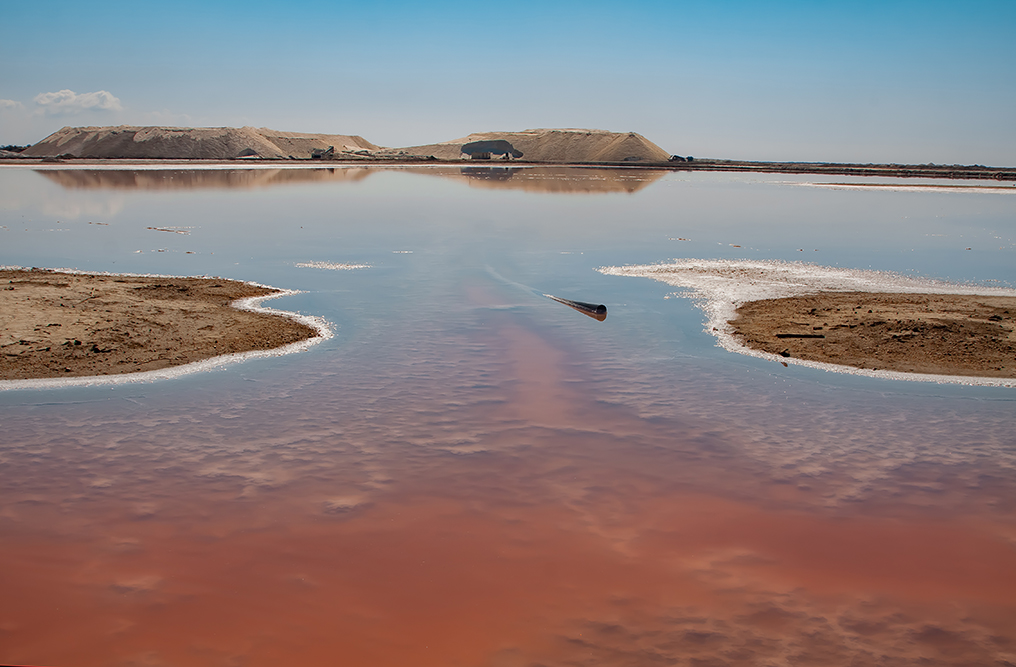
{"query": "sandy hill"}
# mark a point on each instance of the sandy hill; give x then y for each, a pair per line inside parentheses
(560, 145)
(205, 143)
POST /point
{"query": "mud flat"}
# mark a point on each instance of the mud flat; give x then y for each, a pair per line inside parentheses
(852, 321)
(69, 325)
(941, 334)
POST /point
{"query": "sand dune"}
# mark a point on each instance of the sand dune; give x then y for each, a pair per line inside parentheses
(206, 143)
(560, 145)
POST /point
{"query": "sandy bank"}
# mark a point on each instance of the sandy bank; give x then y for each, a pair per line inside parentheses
(62, 325)
(940, 334)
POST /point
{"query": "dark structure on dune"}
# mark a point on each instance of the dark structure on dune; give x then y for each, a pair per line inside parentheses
(483, 150)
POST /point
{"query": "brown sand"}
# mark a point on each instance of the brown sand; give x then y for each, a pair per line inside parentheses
(66, 325)
(943, 334)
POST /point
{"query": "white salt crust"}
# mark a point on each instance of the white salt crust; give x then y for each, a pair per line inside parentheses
(251, 304)
(333, 266)
(721, 286)
(916, 187)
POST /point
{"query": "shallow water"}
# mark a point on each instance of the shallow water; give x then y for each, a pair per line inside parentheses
(469, 473)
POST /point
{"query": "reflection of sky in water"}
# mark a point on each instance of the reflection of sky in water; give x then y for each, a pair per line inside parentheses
(469, 473)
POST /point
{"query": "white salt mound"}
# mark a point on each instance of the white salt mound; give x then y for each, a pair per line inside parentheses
(560, 145)
(204, 143)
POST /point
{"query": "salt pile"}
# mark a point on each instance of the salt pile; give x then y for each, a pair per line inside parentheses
(556, 145)
(205, 143)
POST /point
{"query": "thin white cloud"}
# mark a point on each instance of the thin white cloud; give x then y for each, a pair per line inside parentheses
(11, 104)
(68, 102)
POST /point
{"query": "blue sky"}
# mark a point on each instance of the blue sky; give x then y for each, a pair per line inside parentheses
(849, 81)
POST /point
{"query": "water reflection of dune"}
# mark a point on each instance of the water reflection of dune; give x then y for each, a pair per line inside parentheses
(189, 179)
(65, 208)
(564, 180)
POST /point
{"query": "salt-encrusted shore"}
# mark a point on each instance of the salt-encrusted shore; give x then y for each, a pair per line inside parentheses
(871, 323)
